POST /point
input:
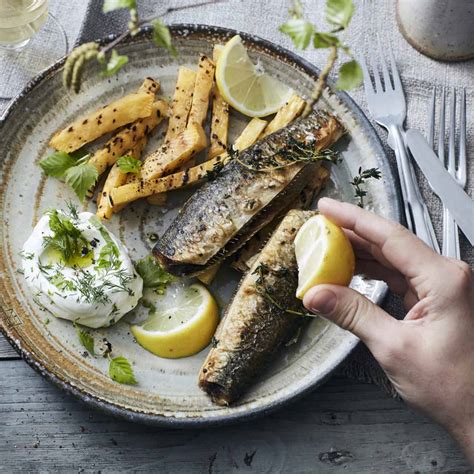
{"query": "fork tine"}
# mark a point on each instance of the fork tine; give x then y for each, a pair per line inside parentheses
(375, 71)
(386, 75)
(369, 88)
(442, 119)
(461, 171)
(452, 134)
(431, 128)
(397, 83)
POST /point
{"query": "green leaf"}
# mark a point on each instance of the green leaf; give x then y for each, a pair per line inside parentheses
(81, 178)
(162, 36)
(56, 164)
(325, 40)
(339, 12)
(116, 62)
(121, 371)
(86, 339)
(297, 10)
(299, 30)
(350, 76)
(152, 274)
(110, 5)
(129, 164)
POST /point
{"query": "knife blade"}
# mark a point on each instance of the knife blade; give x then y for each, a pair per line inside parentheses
(444, 185)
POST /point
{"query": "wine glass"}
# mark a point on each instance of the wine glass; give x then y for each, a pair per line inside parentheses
(31, 39)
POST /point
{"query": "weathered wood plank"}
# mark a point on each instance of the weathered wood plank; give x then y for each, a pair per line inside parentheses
(6, 350)
(344, 426)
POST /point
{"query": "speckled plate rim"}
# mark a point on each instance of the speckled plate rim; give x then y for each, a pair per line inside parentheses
(186, 30)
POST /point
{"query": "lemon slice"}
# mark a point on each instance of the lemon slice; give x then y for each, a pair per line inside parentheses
(245, 86)
(324, 255)
(183, 323)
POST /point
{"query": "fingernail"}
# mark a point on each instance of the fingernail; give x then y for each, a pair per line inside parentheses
(322, 301)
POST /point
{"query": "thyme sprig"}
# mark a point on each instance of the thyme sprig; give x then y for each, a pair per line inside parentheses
(80, 56)
(359, 180)
(295, 151)
(262, 271)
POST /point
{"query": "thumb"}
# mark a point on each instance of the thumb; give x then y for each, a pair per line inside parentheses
(353, 312)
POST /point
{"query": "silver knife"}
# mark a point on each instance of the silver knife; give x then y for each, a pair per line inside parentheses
(446, 187)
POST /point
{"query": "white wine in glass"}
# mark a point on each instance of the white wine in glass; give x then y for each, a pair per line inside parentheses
(31, 39)
(20, 20)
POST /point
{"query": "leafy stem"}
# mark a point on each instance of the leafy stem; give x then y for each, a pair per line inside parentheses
(302, 33)
(321, 82)
(359, 180)
(83, 54)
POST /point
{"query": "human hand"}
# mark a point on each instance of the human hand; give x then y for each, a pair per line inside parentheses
(428, 356)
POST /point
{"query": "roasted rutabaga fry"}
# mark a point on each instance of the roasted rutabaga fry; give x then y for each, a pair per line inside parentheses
(181, 104)
(150, 86)
(107, 119)
(202, 91)
(261, 317)
(219, 118)
(208, 275)
(174, 153)
(286, 114)
(128, 137)
(133, 191)
(116, 178)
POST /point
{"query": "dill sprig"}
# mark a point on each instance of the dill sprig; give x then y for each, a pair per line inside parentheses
(262, 271)
(360, 179)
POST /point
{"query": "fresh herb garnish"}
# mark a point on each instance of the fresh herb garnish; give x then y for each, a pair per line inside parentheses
(57, 164)
(81, 178)
(294, 152)
(267, 292)
(66, 239)
(149, 306)
(121, 371)
(86, 339)
(360, 179)
(152, 274)
(302, 32)
(76, 172)
(212, 174)
(129, 164)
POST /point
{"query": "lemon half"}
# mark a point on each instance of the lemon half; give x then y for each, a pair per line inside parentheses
(183, 323)
(245, 86)
(324, 255)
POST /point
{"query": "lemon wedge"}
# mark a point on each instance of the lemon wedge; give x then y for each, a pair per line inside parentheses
(183, 322)
(245, 86)
(324, 255)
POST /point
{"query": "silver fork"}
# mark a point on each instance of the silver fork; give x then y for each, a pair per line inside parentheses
(388, 106)
(450, 246)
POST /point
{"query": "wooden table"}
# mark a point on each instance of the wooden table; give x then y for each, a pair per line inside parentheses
(344, 426)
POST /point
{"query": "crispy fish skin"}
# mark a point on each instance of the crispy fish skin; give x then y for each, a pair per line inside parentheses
(244, 257)
(254, 328)
(226, 212)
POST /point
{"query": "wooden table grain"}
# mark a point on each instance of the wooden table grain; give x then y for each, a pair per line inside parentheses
(343, 426)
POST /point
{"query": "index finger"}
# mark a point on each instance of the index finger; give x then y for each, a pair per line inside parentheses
(402, 249)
